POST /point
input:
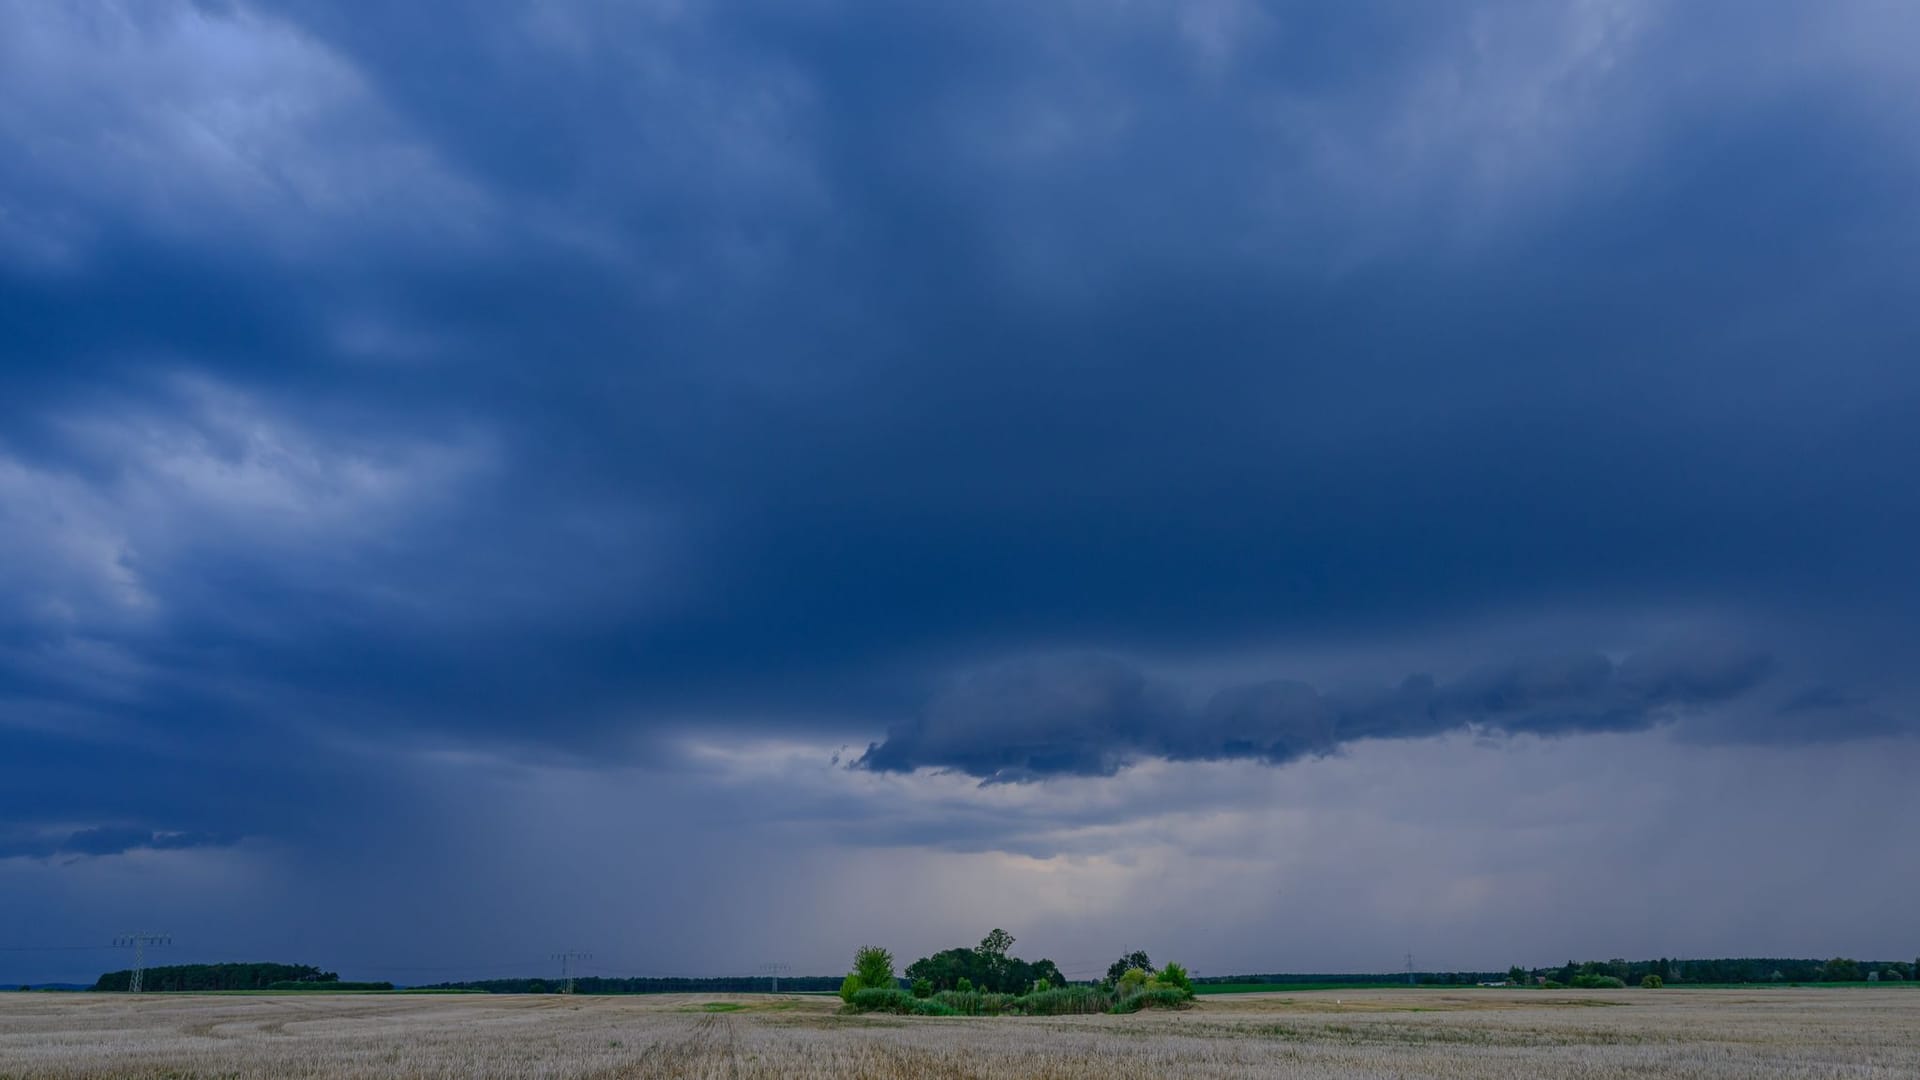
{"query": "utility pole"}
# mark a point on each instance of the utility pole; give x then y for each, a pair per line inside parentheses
(138, 942)
(774, 970)
(567, 960)
(1410, 968)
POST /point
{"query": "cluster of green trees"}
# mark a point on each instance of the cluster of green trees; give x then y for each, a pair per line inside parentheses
(1664, 971)
(988, 966)
(219, 977)
(988, 980)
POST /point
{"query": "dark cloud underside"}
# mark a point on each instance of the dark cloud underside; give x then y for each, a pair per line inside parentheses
(1093, 716)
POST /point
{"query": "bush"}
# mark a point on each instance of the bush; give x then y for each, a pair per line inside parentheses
(923, 988)
(1599, 982)
(1652, 982)
(849, 986)
(1175, 975)
(1065, 1001)
(1041, 986)
(964, 986)
(974, 1002)
(1132, 982)
(882, 999)
(1165, 997)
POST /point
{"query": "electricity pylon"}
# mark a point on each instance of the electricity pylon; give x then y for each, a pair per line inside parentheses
(567, 960)
(138, 942)
(774, 970)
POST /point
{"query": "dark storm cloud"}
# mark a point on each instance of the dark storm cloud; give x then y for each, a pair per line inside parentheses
(1084, 716)
(547, 381)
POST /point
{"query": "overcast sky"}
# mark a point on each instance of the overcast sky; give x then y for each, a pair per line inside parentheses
(1276, 485)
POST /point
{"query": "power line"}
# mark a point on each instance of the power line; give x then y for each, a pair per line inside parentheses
(138, 942)
(567, 960)
(774, 969)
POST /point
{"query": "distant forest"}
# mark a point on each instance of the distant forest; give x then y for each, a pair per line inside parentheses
(733, 984)
(1631, 972)
(1743, 970)
(234, 977)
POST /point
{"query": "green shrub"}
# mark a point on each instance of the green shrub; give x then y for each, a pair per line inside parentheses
(1132, 982)
(1174, 975)
(1165, 997)
(1041, 986)
(1599, 982)
(1652, 982)
(923, 988)
(974, 1002)
(1065, 1001)
(849, 986)
(883, 999)
(964, 986)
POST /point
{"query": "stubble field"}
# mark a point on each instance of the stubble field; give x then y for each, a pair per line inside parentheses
(1749, 1035)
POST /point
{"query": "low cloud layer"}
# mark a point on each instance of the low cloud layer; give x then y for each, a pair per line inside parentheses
(103, 840)
(1093, 716)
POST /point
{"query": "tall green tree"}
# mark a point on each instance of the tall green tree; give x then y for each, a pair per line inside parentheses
(1133, 961)
(873, 966)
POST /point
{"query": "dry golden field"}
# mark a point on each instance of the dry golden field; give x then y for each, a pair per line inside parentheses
(1769, 1034)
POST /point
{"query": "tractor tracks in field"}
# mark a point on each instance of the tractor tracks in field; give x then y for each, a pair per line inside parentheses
(710, 1049)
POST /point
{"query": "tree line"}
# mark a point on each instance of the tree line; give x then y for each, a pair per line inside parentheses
(230, 977)
(731, 984)
(1629, 972)
(1667, 970)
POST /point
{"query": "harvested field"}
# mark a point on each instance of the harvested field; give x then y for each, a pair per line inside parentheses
(1737, 1035)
